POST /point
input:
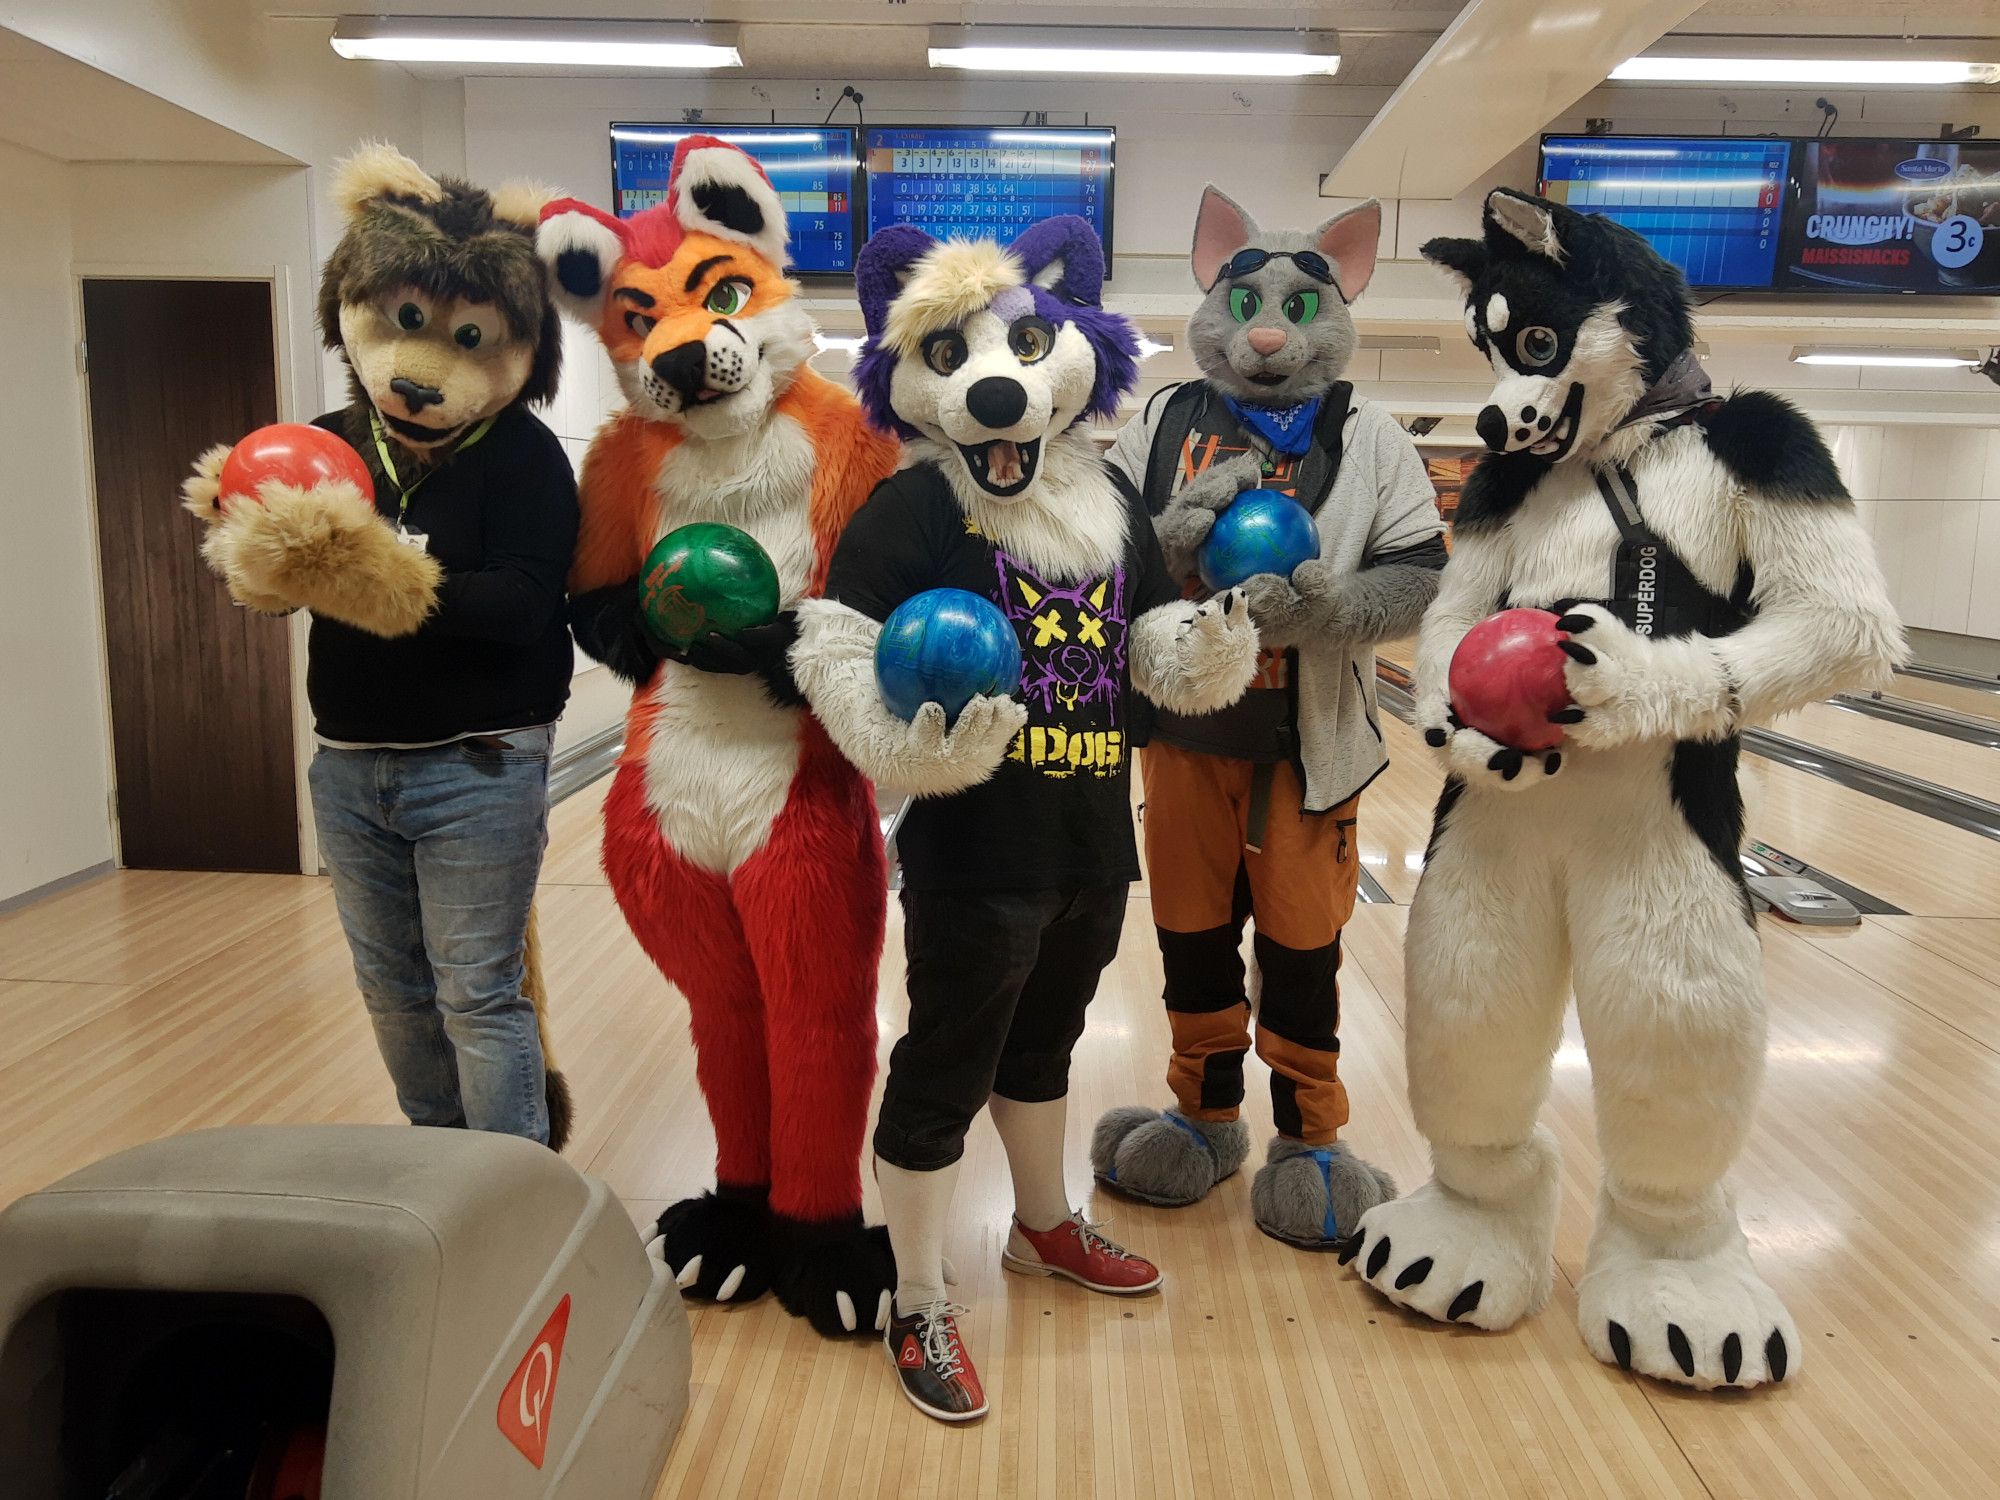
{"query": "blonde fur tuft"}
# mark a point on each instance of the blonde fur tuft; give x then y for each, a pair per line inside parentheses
(946, 286)
(377, 169)
(522, 202)
(534, 985)
(324, 549)
(201, 491)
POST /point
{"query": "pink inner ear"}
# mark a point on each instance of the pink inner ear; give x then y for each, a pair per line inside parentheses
(1219, 232)
(1350, 242)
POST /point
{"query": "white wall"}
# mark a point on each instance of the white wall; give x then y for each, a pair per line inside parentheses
(1931, 497)
(54, 748)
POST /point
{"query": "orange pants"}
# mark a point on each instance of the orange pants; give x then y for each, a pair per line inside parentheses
(1298, 886)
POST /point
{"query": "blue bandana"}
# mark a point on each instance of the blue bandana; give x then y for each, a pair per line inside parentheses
(1288, 429)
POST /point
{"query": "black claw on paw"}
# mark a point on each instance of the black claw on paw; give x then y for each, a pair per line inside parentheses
(1564, 607)
(1552, 763)
(1677, 1345)
(1621, 1345)
(728, 1228)
(1570, 715)
(1414, 1273)
(1435, 738)
(1348, 1248)
(1575, 624)
(1583, 656)
(1732, 1358)
(1465, 1301)
(1507, 763)
(1776, 1355)
(1378, 1257)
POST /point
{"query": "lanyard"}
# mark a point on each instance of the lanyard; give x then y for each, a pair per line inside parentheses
(389, 464)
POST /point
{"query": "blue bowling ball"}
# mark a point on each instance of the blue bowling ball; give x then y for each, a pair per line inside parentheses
(945, 646)
(1262, 531)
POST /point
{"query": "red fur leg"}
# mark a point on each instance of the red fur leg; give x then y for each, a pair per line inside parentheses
(685, 919)
(812, 903)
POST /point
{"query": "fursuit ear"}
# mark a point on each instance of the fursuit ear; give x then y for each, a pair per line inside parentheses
(375, 170)
(1349, 240)
(1463, 259)
(581, 246)
(521, 203)
(718, 189)
(884, 264)
(1221, 228)
(1529, 221)
(1065, 256)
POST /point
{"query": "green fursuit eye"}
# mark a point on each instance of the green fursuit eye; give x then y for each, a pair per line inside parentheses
(1302, 307)
(1243, 303)
(728, 297)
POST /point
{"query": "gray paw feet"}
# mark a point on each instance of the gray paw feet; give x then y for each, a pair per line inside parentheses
(1314, 1196)
(1161, 1156)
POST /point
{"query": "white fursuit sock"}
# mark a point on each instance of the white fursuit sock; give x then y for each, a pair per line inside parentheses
(1033, 1136)
(916, 1204)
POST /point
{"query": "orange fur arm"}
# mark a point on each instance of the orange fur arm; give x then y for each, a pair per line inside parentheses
(852, 459)
(617, 499)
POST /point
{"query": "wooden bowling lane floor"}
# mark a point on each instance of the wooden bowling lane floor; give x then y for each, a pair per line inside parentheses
(147, 1003)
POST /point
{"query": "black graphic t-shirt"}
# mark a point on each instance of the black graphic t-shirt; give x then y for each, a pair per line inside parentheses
(1057, 814)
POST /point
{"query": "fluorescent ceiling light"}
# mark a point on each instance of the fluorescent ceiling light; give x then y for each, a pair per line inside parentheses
(544, 44)
(1153, 52)
(849, 343)
(1149, 346)
(1813, 70)
(1901, 359)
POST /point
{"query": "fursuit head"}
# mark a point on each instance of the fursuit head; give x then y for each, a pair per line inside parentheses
(987, 359)
(1709, 572)
(1581, 319)
(736, 838)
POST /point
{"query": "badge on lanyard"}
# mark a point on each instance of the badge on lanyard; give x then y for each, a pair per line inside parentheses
(404, 493)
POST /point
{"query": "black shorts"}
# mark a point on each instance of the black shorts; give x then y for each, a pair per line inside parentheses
(998, 982)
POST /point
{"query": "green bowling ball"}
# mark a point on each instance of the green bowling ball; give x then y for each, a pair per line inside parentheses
(707, 576)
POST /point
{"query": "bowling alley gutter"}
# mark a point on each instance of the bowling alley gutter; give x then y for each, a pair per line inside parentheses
(1973, 814)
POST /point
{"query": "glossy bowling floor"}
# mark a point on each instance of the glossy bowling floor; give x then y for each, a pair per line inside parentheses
(147, 1003)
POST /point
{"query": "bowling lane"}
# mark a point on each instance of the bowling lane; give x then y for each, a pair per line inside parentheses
(1963, 767)
(1960, 700)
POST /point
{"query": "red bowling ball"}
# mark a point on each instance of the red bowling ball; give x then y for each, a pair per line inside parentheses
(1507, 678)
(291, 453)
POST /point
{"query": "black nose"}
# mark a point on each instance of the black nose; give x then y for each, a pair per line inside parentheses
(684, 367)
(1492, 428)
(996, 401)
(415, 396)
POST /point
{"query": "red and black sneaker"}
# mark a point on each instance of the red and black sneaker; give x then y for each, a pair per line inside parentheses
(931, 1362)
(1079, 1249)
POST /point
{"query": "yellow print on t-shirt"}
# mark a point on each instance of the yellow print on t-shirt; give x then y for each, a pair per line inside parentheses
(1056, 751)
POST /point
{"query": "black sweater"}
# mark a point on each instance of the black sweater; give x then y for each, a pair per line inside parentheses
(501, 517)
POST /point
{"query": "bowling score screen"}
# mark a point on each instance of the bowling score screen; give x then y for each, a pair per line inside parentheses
(976, 182)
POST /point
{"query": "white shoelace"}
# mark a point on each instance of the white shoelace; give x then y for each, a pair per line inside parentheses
(939, 1337)
(1091, 1232)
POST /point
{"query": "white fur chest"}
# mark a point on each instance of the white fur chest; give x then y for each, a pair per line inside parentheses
(1562, 540)
(722, 755)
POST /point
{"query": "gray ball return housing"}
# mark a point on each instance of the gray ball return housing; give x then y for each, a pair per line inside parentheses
(478, 1320)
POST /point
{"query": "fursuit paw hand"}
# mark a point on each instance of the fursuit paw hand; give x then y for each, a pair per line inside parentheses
(1196, 658)
(1290, 612)
(1629, 687)
(1187, 520)
(761, 650)
(937, 759)
(1479, 760)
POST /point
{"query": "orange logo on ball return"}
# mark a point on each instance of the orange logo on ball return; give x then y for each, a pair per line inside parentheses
(528, 1403)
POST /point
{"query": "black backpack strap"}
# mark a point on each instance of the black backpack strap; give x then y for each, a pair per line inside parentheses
(1621, 498)
(1330, 436)
(1164, 459)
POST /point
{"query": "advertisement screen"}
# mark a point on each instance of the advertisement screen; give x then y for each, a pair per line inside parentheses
(812, 168)
(1894, 216)
(1712, 205)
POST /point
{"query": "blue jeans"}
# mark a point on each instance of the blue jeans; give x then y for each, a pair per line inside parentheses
(434, 856)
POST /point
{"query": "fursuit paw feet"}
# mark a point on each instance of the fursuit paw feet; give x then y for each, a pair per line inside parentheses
(1163, 1157)
(720, 1247)
(1707, 1320)
(840, 1278)
(1313, 1197)
(1485, 1261)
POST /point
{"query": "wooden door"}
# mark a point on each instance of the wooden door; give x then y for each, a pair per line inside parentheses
(201, 719)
